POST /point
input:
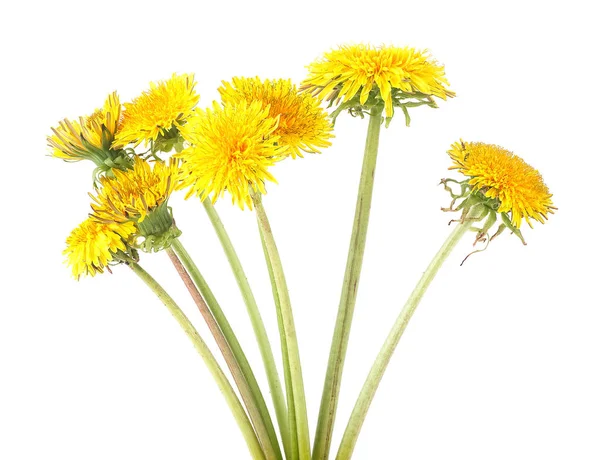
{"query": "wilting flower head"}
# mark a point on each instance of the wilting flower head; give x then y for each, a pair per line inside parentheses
(140, 195)
(157, 114)
(303, 124)
(362, 76)
(93, 246)
(502, 182)
(91, 137)
(232, 148)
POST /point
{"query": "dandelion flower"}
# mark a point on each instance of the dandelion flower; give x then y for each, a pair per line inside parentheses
(303, 124)
(159, 112)
(132, 195)
(90, 137)
(140, 195)
(232, 148)
(93, 245)
(361, 73)
(500, 175)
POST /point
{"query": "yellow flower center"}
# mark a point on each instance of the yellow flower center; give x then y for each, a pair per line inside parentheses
(232, 148)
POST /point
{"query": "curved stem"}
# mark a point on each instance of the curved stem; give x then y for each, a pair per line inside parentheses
(232, 400)
(383, 358)
(248, 396)
(257, 324)
(289, 329)
(341, 333)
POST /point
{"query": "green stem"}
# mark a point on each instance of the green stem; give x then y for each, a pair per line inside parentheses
(246, 392)
(257, 324)
(341, 333)
(383, 358)
(284, 353)
(289, 329)
(228, 392)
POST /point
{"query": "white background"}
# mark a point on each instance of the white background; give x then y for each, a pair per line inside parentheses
(499, 362)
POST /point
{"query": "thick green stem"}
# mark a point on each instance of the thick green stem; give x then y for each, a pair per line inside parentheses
(257, 324)
(289, 329)
(341, 333)
(383, 358)
(249, 397)
(286, 366)
(228, 392)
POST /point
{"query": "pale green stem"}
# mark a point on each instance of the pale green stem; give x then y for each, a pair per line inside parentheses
(289, 329)
(246, 392)
(383, 358)
(284, 353)
(341, 333)
(220, 378)
(257, 324)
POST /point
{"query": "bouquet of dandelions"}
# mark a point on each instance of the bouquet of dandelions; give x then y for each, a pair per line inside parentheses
(229, 148)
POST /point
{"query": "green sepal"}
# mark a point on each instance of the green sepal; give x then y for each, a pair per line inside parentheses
(400, 99)
(168, 140)
(472, 198)
(157, 230)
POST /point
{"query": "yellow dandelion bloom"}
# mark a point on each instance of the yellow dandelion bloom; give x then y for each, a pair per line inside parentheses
(232, 148)
(303, 124)
(388, 73)
(133, 194)
(92, 246)
(156, 112)
(502, 175)
(89, 138)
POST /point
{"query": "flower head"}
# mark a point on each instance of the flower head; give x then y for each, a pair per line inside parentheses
(498, 183)
(157, 114)
(303, 124)
(93, 246)
(140, 195)
(361, 76)
(503, 176)
(91, 137)
(232, 148)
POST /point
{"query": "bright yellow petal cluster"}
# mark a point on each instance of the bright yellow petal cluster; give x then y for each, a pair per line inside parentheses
(165, 106)
(232, 147)
(352, 69)
(74, 141)
(303, 124)
(500, 174)
(92, 245)
(131, 195)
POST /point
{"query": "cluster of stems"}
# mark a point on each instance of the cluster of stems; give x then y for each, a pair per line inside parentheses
(292, 439)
